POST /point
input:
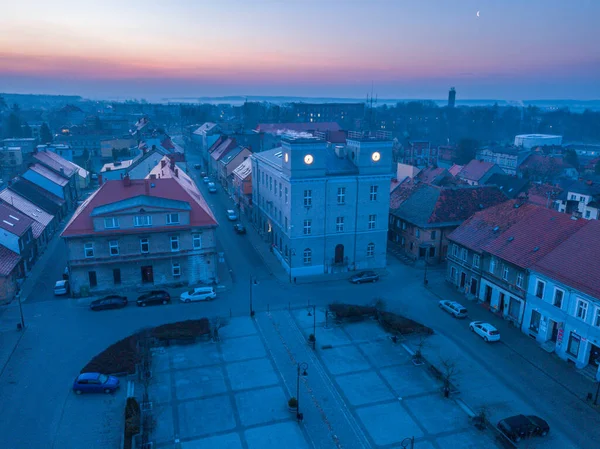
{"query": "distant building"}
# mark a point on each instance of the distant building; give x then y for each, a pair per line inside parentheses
(327, 112)
(109, 147)
(477, 172)
(229, 163)
(581, 199)
(451, 97)
(11, 162)
(112, 171)
(27, 144)
(242, 186)
(420, 154)
(273, 132)
(529, 141)
(508, 158)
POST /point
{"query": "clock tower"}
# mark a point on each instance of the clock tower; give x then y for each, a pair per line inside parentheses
(303, 157)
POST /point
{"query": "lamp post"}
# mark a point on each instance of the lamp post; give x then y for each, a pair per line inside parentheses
(425, 281)
(408, 443)
(314, 315)
(253, 282)
(302, 366)
(23, 319)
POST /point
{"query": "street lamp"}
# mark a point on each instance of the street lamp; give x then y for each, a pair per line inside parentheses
(302, 366)
(408, 443)
(253, 282)
(21, 311)
(314, 315)
(425, 281)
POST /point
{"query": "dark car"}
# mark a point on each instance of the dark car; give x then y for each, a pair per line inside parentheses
(520, 426)
(239, 228)
(109, 302)
(364, 276)
(154, 297)
(95, 383)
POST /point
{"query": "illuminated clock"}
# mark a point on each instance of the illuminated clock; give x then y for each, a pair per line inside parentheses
(376, 156)
(286, 157)
(308, 159)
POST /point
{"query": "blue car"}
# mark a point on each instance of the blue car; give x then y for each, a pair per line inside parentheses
(95, 383)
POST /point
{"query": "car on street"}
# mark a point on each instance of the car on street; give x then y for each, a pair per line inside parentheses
(153, 298)
(109, 302)
(520, 427)
(197, 166)
(453, 308)
(199, 294)
(95, 383)
(364, 276)
(212, 188)
(231, 215)
(485, 331)
(239, 228)
(61, 288)
(206, 180)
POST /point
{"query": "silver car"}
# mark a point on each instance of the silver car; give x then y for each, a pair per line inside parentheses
(453, 308)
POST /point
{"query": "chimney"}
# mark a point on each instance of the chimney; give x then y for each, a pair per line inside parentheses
(163, 163)
(177, 173)
(126, 180)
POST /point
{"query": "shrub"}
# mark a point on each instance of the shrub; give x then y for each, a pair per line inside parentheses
(183, 330)
(132, 421)
(293, 402)
(352, 311)
(392, 322)
(121, 357)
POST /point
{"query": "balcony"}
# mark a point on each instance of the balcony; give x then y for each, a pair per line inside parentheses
(124, 258)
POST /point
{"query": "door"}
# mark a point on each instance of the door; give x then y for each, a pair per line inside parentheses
(147, 275)
(553, 331)
(463, 279)
(488, 294)
(339, 253)
(117, 276)
(92, 278)
(501, 302)
(474, 286)
(594, 359)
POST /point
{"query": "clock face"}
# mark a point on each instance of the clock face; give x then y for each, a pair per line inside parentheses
(376, 156)
(308, 159)
(286, 157)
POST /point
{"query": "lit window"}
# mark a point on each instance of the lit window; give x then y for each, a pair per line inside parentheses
(582, 307)
(341, 195)
(111, 223)
(371, 250)
(172, 219)
(197, 241)
(143, 220)
(307, 198)
(89, 250)
(114, 247)
(174, 243)
(145, 245)
(372, 220)
(339, 224)
(307, 256)
(307, 227)
(373, 193)
(176, 267)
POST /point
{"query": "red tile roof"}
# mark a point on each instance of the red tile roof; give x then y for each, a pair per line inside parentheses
(49, 174)
(575, 262)
(114, 191)
(543, 194)
(8, 261)
(455, 169)
(55, 163)
(401, 192)
(13, 221)
(475, 170)
(534, 236)
(486, 225)
(432, 175)
(275, 128)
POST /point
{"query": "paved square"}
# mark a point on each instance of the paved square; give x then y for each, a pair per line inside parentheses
(470, 439)
(384, 353)
(164, 430)
(251, 374)
(435, 413)
(408, 379)
(237, 327)
(364, 331)
(193, 356)
(227, 441)
(276, 436)
(334, 336)
(344, 359)
(242, 348)
(388, 423)
(205, 416)
(262, 406)
(200, 382)
(160, 387)
(364, 388)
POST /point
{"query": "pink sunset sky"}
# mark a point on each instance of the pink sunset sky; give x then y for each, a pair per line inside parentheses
(515, 49)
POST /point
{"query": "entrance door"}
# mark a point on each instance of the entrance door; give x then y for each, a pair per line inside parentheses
(463, 279)
(553, 331)
(488, 294)
(339, 253)
(501, 302)
(474, 286)
(594, 355)
(92, 278)
(147, 275)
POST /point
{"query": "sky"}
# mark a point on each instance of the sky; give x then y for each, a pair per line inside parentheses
(512, 49)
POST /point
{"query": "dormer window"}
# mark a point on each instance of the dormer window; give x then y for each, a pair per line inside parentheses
(142, 220)
(172, 219)
(111, 223)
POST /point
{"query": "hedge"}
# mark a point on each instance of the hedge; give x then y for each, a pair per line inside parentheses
(352, 311)
(132, 421)
(397, 323)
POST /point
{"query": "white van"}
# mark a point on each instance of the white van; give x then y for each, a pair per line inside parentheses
(61, 288)
(199, 294)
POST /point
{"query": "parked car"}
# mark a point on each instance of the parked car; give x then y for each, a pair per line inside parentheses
(364, 276)
(197, 166)
(206, 180)
(453, 308)
(95, 383)
(485, 330)
(239, 228)
(521, 426)
(61, 288)
(212, 188)
(154, 297)
(109, 302)
(199, 294)
(231, 215)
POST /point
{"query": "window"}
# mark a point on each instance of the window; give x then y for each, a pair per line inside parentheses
(417, 232)
(307, 198)
(176, 269)
(144, 246)
(286, 225)
(280, 189)
(341, 195)
(432, 235)
(492, 265)
(455, 250)
(464, 254)
(373, 193)
(197, 241)
(307, 227)
(539, 289)
(505, 272)
(307, 256)
(476, 260)
(286, 195)
(111, 223)
(558, 298)
(587, 214)
(113, 246)
(520, 279)
(88, 249)
(371, 250)
(404, 226)
(339, 224)
(574, 197)
(142, 220)
(534, 324)
(597, 317)
(581, 311)
(174, 243)
(172, 219)
(372, 221)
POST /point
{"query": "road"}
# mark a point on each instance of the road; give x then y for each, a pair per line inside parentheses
(62, 335)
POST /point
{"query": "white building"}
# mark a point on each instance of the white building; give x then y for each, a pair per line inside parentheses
(508, 158)
(115, 170)
(529, 141)
(324, 209)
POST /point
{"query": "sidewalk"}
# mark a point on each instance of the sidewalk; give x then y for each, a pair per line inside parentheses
(529, 350)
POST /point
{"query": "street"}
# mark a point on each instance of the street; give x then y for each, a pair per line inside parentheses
(62, 335)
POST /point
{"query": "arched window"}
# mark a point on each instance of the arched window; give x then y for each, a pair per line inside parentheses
(371, 250)
(307, 256)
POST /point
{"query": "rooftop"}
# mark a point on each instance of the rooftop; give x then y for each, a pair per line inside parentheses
(117, 165)
(55, 162)
(244, 170)
(8, 260)
(49, 174)
(281, 128)
(475, 170)
(25, 206)
(38, 196)
(13, 221)
(538, 136)
(511, 186)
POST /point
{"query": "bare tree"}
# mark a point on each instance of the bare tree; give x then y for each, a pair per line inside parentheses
(418, 355)
(449, 373)
(216, 324)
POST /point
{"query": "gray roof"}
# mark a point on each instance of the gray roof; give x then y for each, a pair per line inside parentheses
(511, 186)
(419, 206)
(229, 156)
(274, 156)
(140, 201)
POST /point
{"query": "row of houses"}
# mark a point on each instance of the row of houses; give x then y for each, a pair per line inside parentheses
(31, 208)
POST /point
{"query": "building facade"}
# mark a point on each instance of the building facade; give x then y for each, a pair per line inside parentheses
(324, 209)
(508, 158)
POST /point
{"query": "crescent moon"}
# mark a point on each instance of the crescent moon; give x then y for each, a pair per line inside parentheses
(477, 13)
